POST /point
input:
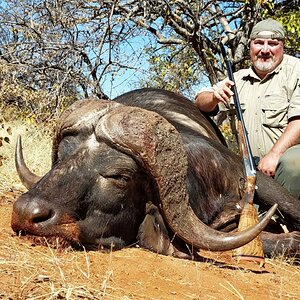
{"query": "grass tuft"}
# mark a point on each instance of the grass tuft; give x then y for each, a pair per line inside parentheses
(37, 145)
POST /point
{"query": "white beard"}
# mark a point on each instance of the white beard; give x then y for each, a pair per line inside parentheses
(264, 66)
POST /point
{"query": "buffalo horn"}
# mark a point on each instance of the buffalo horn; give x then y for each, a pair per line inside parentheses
(28, 178)
(156, 144)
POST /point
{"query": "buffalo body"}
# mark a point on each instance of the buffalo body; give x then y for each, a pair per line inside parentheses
(147, 168)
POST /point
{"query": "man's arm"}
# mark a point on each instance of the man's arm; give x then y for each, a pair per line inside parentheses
(289, 138)
(207, 101)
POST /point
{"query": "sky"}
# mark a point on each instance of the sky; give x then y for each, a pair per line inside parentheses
(127, 80)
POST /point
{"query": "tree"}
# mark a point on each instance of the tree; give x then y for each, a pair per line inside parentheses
(69, 48)
(173, 68)
(288, 13)
(65, 47)
(202, 25)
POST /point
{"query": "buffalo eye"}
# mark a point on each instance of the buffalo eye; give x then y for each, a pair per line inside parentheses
(120, 180)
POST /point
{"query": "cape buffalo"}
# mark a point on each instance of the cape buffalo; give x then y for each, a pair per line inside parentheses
(147, 168)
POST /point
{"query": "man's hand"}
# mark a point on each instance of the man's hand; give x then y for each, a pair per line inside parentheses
(222, 91)
(208, 99)
(289, 138)
(268, 163)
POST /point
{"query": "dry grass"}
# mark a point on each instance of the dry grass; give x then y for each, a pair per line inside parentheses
(40, 272)
(43, 273)
(37, 152)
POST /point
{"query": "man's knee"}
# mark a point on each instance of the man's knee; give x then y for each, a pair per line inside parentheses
(288, 170)
(290, 161)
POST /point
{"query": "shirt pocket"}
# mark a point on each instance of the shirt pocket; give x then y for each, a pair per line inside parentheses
(274, 110)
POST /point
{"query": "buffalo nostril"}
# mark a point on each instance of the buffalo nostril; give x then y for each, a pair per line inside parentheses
(41, 214)
(31, 210)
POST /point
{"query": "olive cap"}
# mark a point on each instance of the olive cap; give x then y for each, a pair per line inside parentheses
(268, 29)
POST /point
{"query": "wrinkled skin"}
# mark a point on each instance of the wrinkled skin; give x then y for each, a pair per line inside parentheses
(106, 201)
(98, 196)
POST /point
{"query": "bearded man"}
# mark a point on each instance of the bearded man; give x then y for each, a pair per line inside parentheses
(269, 92)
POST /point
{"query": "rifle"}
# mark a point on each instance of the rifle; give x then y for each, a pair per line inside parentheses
(252, 251)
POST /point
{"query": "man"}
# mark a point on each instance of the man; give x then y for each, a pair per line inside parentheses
(269, 92)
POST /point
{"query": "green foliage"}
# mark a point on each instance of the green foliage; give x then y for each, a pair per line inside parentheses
(291, 23)
(229, 137)
(288, 14)
(173, 68)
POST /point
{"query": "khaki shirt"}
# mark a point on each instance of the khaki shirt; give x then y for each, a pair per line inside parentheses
(268, 104)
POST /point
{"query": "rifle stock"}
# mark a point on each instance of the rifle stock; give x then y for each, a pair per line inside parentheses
(250, 172)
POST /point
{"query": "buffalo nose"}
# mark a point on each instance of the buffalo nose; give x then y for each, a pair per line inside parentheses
(28, 212)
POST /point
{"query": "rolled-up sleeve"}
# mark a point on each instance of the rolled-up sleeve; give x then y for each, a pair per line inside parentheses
(294, 107)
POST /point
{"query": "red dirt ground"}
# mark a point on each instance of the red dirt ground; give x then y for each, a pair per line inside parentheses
(38, 272)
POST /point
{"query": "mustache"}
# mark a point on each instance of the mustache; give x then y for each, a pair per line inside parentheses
(265, 56)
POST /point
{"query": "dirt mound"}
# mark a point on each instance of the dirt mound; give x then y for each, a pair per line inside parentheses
(28, 271)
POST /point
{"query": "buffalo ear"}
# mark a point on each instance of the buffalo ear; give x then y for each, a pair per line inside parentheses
(153, 234)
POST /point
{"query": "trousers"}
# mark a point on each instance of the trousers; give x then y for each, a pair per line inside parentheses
(288, 170)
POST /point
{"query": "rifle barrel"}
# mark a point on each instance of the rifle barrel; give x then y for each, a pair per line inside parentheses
(242, 132)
